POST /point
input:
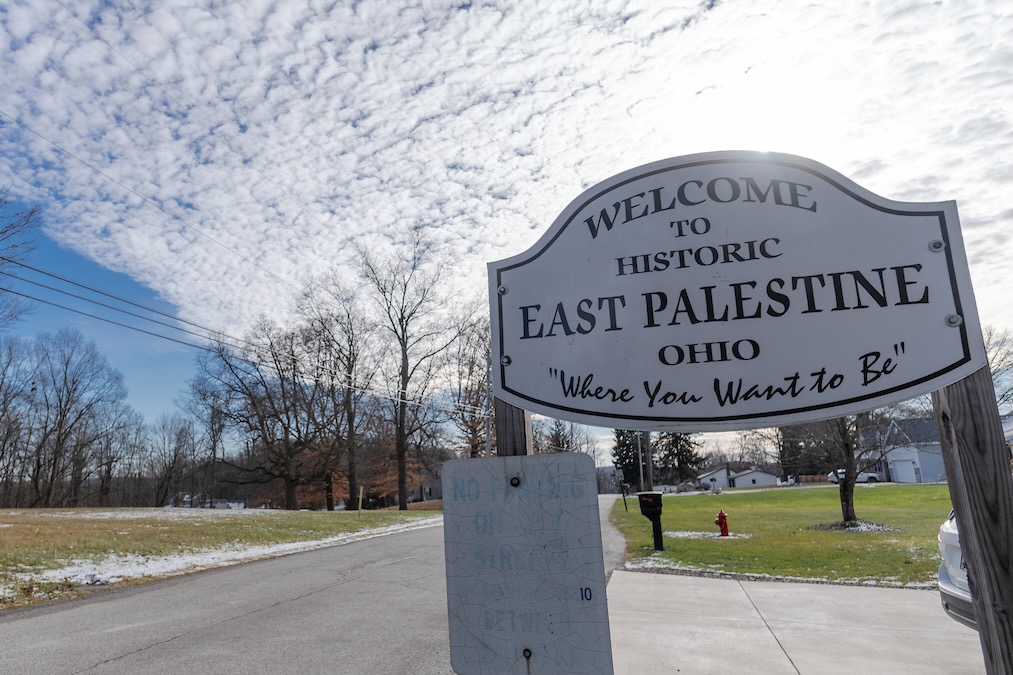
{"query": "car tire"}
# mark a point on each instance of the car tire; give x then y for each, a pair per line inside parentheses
(873, 479)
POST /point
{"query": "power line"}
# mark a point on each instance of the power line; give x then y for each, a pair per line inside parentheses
(114, 297)
(457, 407)
(99, 318)
(102, 304)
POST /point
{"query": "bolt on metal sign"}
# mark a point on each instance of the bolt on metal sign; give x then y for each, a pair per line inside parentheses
(732, 290)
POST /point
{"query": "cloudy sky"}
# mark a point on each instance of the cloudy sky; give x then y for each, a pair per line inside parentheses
(217, 153)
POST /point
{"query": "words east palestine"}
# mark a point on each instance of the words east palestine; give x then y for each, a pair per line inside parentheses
(896, 286)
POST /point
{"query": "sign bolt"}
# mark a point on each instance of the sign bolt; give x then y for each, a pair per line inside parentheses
(954, 320)
(502, 290)
(937, 246)
(515, 481)
(506, 360)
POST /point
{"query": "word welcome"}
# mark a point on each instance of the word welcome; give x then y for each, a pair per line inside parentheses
(722, 190)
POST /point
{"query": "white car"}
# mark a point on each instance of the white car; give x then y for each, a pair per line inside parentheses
(863, 477)
(953, 589)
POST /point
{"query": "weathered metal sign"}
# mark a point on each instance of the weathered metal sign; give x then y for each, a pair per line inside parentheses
(525, 576)
(732, 290)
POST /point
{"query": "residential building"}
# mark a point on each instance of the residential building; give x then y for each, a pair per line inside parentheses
(752, 477)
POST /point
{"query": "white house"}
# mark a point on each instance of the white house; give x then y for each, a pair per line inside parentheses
(715, 478)
(915, 454)
(752, 477)
(723, 477)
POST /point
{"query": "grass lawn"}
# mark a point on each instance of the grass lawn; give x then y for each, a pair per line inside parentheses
(778, 534)
(33, 541)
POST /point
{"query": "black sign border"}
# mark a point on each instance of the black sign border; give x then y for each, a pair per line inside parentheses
(734, 157)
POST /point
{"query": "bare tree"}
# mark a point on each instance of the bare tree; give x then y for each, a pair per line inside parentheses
(762, 448)
(17, 227)
(552, 435)
(172, 438)
(407, 289)
(855, 443)
(999, 350)
(208, 404)
(74, 392)
(16, 382)
(471, 387)
(279, 397)
(348, 337)
(116, 450)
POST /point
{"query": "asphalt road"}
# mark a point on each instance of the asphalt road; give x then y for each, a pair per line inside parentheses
(380, 606)
(375, 606)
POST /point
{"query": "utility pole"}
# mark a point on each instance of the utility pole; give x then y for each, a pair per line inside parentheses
(647, 461)
(640, 463)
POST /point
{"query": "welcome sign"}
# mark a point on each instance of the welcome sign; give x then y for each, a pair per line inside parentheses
(732, 290)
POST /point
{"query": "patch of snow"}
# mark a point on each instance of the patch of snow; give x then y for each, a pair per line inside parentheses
(705, 535)
(870, 527)
(856, 526)
(167, 513)
(656, 563)
(115, 568)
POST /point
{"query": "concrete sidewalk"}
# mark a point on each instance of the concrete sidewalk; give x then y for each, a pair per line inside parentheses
(664, 623)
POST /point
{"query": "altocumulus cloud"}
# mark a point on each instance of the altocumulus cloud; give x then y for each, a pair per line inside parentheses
(194, 145)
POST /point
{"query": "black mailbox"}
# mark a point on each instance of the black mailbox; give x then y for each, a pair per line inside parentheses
(650, 506)
(650, 503)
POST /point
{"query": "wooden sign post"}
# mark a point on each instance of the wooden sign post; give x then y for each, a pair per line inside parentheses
(981, 488)
(513, 430)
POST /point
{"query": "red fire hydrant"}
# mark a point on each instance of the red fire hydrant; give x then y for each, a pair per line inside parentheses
(722, 522)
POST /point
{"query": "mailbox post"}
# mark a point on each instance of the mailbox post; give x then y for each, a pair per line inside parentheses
(650, 506)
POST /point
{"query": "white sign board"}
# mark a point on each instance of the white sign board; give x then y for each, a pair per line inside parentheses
(525, 576)
(732, 290)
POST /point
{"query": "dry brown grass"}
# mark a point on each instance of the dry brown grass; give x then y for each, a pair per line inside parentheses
(36, 540)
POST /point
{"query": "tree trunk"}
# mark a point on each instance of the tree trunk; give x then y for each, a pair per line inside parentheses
(401, 448)
(291, 495)
(329, 489)
(105, 483)
(353, 476)
(401, 433)
(353, 481)
(847, 491)
(214, 464)
(847, 483)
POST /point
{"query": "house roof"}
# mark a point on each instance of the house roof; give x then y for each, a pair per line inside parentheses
(712, 472)
(918, 431)
(752, 470)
